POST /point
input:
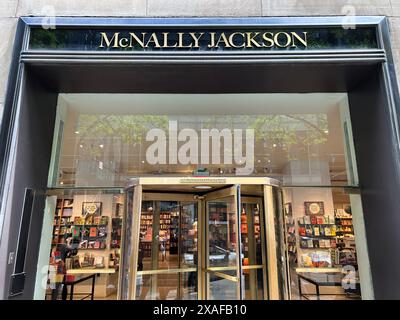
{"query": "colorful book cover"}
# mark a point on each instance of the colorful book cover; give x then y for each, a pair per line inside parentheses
(96, 220)
(102, 231)
(76, 231)
(93, 232)
(313, 220)
(327, 231)
(104, 220)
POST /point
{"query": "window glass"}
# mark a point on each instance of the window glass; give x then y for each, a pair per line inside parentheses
(300, 139)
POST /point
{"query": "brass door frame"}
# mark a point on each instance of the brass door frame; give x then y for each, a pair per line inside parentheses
(135, 192)
(269, 229)
(263, 266)
(154, 196)
(233, 191)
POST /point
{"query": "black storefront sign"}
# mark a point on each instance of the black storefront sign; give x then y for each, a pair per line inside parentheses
(203, 39)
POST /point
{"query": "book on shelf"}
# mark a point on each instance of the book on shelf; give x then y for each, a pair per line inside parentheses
(99, 262)
(93, 232)
(102, 232)
(104, 220)
(91, 244)
(67, 212)
(79, 220)
(97, 220)
(83, 244)
(68, 202)
(85, 231)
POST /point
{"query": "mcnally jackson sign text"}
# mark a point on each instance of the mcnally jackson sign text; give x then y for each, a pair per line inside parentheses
(204, 39)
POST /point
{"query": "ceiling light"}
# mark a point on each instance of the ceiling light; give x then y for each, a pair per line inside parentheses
(202, 187)
(101, 146)
(76, 132)
(81, 146)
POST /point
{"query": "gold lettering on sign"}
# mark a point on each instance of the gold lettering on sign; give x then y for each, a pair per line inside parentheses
(135, 38)
(278, 39)
(107, 41)
(302, 40)
(210, 40)
(232, 39)
(223, 39)
(251, 41)
(180, 41)
(268, 40)
(196, 38)
(153, 39)
(165, 41)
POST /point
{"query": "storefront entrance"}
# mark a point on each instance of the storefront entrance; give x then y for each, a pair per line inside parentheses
(212, 239)
(81, 120)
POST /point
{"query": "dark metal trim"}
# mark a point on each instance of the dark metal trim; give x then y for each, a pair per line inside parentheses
(25, 23)
(79, 57)
(391, 87)
(209, 22)
(10, 103)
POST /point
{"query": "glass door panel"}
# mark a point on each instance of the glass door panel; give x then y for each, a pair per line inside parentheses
(222, 243)
(127, 284)
(188, 250)
(253, 249)
(167, 255)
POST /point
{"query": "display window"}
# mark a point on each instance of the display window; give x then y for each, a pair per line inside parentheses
(295, 138)
(323, 229)
(85, 249)
(205, 170)
(173, 239)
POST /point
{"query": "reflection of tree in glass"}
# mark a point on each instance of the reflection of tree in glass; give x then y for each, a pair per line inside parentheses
(131, 129)
(291, 133)
(286, 131)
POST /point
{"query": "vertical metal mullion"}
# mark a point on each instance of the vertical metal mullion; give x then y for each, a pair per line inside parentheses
(155, 245)
(135, 237)
(264, 248)
(205, 258)
(179, 289)
(239, 244)
(200, 240)
(272, 258)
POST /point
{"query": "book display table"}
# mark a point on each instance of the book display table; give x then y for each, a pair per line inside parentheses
(72, 283)
(322, 280)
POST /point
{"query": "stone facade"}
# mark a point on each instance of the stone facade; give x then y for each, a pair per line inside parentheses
(10, 10)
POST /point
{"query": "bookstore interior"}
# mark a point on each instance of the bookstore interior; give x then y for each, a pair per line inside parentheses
(120, 224)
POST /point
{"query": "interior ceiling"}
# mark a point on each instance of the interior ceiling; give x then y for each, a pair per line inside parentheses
(203, 104)
(182, 188)
(246, 190)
